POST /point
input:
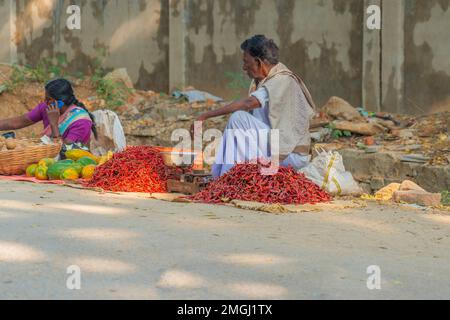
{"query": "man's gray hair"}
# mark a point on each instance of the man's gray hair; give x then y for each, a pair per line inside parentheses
(261, 47)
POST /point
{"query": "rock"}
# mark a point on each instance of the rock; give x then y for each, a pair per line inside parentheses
(377, 183)
(364, 128)
(120, 75)
(408, 185)
(406, 148)
(386, 164)
(416, 158)
(411, 142)
(366, 188)
(128, 110)
(421, 198)
(429, 131)
(321, 119)
(373, 149)
(407, 133)
(396, 133)
(386, 123)
(136, 98)
(340, 109)
(145, 132)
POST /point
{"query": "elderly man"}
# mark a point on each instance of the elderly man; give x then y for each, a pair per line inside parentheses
(278, 100)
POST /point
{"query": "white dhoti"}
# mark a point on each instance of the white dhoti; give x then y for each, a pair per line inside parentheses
(246, 138)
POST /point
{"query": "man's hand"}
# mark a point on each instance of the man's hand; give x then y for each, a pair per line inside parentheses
(53, 114)
(201, 118)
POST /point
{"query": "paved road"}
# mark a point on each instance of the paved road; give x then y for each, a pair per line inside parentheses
(136, 248)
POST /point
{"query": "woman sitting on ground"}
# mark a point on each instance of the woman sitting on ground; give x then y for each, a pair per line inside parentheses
(62, 115)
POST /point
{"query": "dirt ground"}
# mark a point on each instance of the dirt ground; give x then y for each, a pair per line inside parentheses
(130, 247)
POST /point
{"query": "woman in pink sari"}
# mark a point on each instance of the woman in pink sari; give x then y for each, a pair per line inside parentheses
(62, 115)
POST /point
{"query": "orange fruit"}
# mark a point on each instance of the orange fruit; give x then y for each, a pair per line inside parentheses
(41, 173)
(88, 172)
(31, 170)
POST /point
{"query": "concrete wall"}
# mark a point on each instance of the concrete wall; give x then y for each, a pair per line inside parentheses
(329, 58)
(427, 56)
(5, 31)
(134, 34)
(171, 43)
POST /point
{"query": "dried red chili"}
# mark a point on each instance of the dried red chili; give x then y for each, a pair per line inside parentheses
(137, 169)
(245, 182)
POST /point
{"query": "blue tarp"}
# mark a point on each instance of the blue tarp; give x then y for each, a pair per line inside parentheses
(196, 96)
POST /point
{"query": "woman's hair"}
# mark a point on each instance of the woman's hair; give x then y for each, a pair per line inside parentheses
(61, 89)
(261, 47)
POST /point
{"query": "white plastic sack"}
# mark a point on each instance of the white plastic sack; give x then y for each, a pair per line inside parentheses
(111, 136)
(328, 172)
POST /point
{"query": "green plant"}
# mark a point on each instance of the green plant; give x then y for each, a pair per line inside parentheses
(45, 70)
(336, 133)
(113, 93)
(347, 133)
(18, 76)
(79, 75)
(445, 198)
(237, 83)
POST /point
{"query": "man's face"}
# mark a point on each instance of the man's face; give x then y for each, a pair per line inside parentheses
(252, 66)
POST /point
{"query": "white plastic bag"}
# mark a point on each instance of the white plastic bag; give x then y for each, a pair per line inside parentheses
(111, 136)
(328, 172)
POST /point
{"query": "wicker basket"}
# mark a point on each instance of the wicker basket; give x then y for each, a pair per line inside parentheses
(15, 162)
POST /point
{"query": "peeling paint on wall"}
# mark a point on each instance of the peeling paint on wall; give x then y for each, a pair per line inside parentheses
(427, 47)
(5, 31)
(134, 35)
(425, 32)
(317, 34)
(329, 59)
(322, 40)
(301, 29)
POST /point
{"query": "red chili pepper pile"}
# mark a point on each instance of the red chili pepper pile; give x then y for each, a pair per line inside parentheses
(137, 169)
(245, 182)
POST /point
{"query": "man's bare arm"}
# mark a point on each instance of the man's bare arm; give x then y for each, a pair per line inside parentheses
(15, 123)
(246, 104)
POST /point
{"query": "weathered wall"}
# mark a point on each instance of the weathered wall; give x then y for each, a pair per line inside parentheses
(133, 33)
(171, 43)
(427, 56)
(5, 32)
(329, 59)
